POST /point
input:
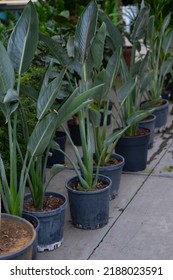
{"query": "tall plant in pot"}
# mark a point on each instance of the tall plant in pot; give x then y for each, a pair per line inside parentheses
(135, 80)
(48, 118)
(87, 191)
(12, 182)
(159, 43)
(91, 66)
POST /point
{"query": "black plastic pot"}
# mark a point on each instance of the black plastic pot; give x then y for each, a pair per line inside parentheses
(74, 132)
(134, 149)
(25, 253)
(161, 113)
(56, 156)
(89, 209)
(150, 124)
(50, 233)
(36, 224)
(114, 173)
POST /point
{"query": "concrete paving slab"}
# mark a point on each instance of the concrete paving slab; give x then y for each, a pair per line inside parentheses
(79, 244)
(144, 230)
(141, 222)
(165, 165)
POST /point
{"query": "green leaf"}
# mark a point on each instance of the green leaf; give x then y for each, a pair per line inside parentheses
(57, 168)
(56, 49)
(94, 115)
(85, 31)
(113, 66)
(150, 28)
(48, 95)
(126, 90)
(103, 77)
(167, 44)
(112, 31)
(97, 48)
(7, 76)
(11, 96)
(29, 91)
(140, 24)
(166, 67)
(138, 116)
(8, 109)
(22, 43)
(42, 135)
(74, 103)
(165, 24)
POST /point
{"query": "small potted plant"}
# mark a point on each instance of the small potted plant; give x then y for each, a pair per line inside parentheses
(159, 43)
(135, 80)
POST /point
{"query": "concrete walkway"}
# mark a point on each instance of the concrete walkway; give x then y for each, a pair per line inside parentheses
(141, 217)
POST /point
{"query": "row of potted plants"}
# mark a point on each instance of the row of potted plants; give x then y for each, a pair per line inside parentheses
(94, 63)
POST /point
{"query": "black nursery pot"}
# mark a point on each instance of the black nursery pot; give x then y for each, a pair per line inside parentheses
(108, 116)
(36, 224)
(89, 209)
(149, 123)
(51, 229)
(114, 173)
(74, 132)
(57, 157)
(134, 149)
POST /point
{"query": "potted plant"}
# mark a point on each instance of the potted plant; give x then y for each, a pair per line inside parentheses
(49, 117)
(135, 80)
(88, 191)
(159, 42)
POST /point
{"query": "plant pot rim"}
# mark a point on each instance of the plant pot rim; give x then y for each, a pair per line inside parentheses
(95, 191)
(137, 136)
(49, 212)
(112, 166)
(29, 225)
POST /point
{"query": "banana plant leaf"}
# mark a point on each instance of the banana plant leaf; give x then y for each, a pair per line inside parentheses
(85, 31)
(23, 40)
(7, 76)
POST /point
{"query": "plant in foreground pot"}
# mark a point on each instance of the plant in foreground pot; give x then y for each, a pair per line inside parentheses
(88, 191)
(49, 118)
(159, 43)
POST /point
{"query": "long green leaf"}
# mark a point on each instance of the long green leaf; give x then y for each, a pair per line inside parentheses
(112, 30)
(97, 48)
(7, 78)
(140, 24)
(56, 49)
(23, 40)
(47, 97)
(42, 134)
(85, 31)
(126, 90)
(74, 103)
